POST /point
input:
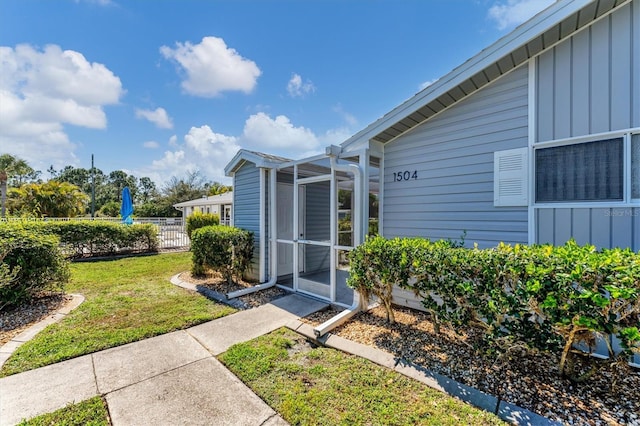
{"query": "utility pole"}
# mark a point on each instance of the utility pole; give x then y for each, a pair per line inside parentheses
(93, 189)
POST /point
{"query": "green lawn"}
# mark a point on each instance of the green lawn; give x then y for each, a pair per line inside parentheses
(323, 386)
(127, 299)
(92, 412)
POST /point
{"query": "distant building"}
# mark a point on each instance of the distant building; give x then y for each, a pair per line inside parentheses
(218, 204)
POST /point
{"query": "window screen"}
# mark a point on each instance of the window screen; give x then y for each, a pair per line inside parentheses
(591, 171)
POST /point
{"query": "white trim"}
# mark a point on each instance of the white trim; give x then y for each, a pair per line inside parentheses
(586, 138)
(589, 205)
(333, 225)
(313, 179)
(263, 198)
(531, 140)
(381, 197)
(296, 230)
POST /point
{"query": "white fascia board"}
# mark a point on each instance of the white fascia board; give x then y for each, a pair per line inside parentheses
(243, 156)
(521, 35)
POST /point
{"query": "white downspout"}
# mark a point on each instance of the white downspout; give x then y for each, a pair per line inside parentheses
(356, 307)
(273, 235)
(262, 226)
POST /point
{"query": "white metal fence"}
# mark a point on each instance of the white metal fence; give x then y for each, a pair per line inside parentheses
(172, 232)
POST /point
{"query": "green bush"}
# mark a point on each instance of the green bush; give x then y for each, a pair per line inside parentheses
(541, 297)
(199, 220)
(97, 238)
(223, 249)
(31, 262)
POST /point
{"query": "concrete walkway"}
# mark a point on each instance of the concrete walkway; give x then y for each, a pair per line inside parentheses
(165, 380)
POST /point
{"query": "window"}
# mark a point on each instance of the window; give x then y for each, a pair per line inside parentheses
(635, 166)
(591, 171)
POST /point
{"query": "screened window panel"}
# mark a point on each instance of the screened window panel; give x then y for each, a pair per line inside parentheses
(592, 171)
(635, 166)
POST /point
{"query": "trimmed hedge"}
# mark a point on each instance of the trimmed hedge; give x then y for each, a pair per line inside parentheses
(31, 262)
(199, 220)
(223, 249)
(543, 297)
(89, 238)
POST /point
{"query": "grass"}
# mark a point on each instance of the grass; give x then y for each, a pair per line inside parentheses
(323, 386)
(92, 412)
(127, 300)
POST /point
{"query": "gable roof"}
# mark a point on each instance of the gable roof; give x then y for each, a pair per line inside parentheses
(546, 29)
(260, 159)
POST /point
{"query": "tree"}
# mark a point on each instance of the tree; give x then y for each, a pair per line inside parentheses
(217, 188)
(50, 199)
(146, 190)
(10, 167)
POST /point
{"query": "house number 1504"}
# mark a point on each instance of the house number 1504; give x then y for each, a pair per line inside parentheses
(405, 175)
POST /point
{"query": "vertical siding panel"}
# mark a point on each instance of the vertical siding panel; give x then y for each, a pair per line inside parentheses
(581, 225)
(635, 110)
(580, 77)
(600, 77)
(621, 228)
(621, 69)
(562, 226)
(545, 97)
(546, 226)
(601, 228)
(636, 229)
(562, 108)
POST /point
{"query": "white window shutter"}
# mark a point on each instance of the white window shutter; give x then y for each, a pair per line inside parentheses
(510, 171)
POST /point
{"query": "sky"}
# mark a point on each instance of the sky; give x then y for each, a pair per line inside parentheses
(167, 87)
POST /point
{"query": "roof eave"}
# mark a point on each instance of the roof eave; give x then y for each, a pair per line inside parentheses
(523, 34)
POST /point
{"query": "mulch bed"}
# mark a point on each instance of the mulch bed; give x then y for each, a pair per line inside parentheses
(611, 397)
(215, 282)
(15, 321)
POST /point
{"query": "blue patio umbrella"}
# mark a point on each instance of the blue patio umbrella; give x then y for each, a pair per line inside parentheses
(126, 210)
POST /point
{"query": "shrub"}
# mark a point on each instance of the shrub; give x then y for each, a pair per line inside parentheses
(95, 238)
(224, 249)
(199, 220)
(540, 297)
(31, 262)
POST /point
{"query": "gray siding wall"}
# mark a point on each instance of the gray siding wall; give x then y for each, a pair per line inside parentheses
(317, 225)
(246, 206)
(453, 156)
(590, 83)
(602, 227)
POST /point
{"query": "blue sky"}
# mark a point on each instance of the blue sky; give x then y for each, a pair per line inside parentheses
(162, 88)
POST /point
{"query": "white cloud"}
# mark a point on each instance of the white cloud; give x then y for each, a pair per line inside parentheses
(209, 152)
(511, 13)
(349, 118)
(41, 91)
(202, 149)
(159, 117)
(277, 136)
(297, 88)
(151, 144)
(212, 68)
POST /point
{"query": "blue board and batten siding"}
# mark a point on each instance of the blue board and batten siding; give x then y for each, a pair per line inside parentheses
(246, 208)
(589, 84)
(452, 155)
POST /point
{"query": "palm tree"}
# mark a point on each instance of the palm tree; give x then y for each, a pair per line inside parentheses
(9, 166)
